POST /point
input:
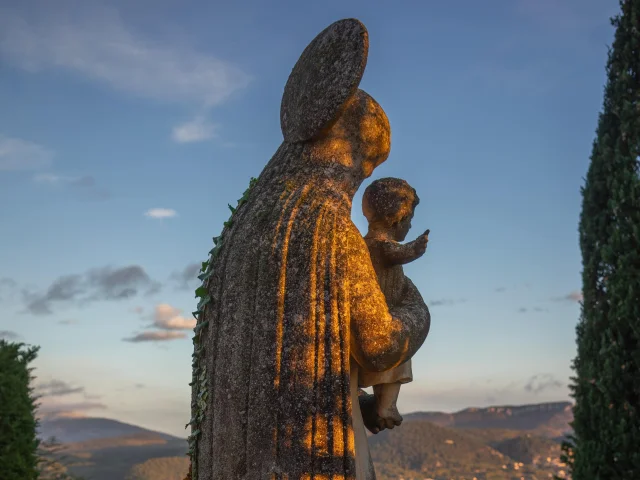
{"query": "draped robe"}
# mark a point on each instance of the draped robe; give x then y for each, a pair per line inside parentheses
(294, 299)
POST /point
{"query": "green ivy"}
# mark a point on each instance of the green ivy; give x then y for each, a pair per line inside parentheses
(199, 378)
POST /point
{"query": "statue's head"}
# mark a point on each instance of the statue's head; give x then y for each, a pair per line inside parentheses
(323, 107)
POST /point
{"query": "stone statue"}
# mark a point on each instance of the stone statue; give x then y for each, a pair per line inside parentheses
(294, 306)
(389, 205)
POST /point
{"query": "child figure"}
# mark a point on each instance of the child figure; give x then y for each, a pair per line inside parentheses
(389, 204)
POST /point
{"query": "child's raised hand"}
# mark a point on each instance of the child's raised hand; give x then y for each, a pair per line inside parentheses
(421, 243)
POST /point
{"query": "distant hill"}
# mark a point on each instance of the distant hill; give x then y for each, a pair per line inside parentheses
(81, 429)
(546, 419)
(493, 443)
(104, 449)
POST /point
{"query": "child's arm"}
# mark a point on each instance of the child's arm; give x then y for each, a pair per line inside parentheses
(398, 254)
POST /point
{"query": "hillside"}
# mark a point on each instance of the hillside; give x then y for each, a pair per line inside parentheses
(497, 443)
(550, 420)
(82, 429)
(171, 468)
(422, 447)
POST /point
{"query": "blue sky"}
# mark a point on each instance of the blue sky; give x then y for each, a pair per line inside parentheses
(127, 127)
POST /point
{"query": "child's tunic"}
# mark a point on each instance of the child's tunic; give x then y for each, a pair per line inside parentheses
(392, 283)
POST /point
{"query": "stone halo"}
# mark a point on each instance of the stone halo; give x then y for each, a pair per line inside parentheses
(325, 76)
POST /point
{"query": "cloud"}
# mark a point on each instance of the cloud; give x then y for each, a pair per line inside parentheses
(539, 383)
(8, 335)
(195, 130)
(187, 276)
(500, 289)
(56, 388)
(166, 323)
(575, 296)
(446, 302)
(69, 410)
(99, 284)
(155, 336)
(93, 42)
(522, 310)
(8, 288)
(68, 322)
(18, 154)
(161, 213)
(85, 185)
(167, 317)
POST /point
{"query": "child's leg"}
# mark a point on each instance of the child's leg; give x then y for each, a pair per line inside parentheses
(386, 394)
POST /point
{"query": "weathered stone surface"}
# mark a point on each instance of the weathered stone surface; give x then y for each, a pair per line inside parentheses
(296, 308)
(326, 75)
(389, 205)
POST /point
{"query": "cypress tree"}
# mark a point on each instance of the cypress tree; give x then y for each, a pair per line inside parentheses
(605, 444)
(18, 442)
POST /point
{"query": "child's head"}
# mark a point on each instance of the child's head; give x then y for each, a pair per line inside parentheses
(388, 204)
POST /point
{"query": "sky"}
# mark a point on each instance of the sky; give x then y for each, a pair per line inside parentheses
(127, 127)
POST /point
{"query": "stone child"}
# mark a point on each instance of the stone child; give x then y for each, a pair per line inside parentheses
(389, 205)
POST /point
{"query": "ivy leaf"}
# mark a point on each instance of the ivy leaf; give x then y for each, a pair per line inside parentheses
(203, 302)
(201, 291)
(205, 276)
(204, 266)
(228, 223)
(200, 326)
(216, 239)
(196, 313)
(233, 210)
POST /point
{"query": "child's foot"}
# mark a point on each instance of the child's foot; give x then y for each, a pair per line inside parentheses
(389, 417)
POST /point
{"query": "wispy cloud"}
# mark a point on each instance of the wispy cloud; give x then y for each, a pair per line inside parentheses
(98, 284)
(95, 43)
(195, 130)
(8, 288)
(59, 398)
(446, 302)
(68, 322)
(155, 336)
(167, 317)
(8, 335)
(187, 277)
(19, 154)
(73, 409)
(85, 185)
(56, 388)
(541, 382)
(160, 213)
(166, 323)
(575, 296)
(500, 289)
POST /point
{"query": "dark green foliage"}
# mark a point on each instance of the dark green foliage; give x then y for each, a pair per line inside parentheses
(18, 442)
(606, 439)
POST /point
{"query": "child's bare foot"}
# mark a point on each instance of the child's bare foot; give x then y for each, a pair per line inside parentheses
(389, 417)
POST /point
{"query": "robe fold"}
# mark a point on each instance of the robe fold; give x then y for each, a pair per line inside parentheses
(294, 294)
